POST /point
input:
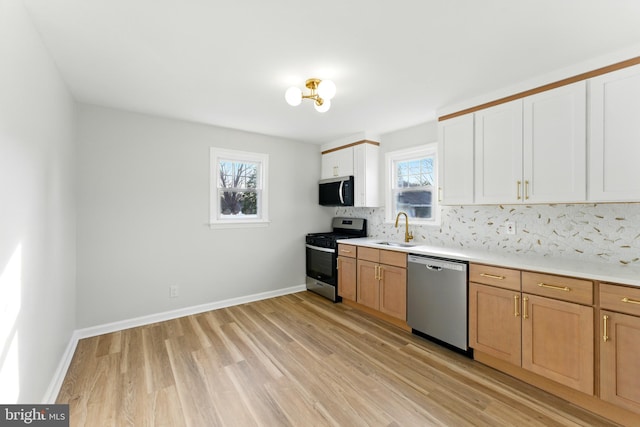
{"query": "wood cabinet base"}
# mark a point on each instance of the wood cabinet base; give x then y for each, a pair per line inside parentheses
(590, 403)
(380, 315)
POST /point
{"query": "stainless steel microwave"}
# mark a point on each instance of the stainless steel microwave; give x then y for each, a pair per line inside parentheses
(337, 191)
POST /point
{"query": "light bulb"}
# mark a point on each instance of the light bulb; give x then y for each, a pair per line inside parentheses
(293, 95)
(327, 89)
(326, 104)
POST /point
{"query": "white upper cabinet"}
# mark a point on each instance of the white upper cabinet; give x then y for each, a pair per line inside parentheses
(455, 155)
(365, 171)
(498, 157)
(337, 163)
(614, 151)
(555, 146)
(533, 150)
(361, 160)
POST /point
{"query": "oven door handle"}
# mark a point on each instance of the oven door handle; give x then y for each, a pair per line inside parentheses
(317, 248)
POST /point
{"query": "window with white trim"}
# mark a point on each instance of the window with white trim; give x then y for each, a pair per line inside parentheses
(238, 188)
(412, 183)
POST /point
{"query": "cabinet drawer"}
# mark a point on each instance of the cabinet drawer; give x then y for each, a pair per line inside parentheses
(347, 250)
(495, 276)
(620, 298)
(368, 254)
(399, 259)
(558, 287)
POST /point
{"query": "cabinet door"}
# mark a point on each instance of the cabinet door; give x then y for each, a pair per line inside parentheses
(347, 284)
(555, 145)
(557, 341)
(620, 360)
(337, 163)
(494, 322)
(368, 284)
(365, 171)
(393, 291)
(455, 155)
(614, 145)
(498, 159)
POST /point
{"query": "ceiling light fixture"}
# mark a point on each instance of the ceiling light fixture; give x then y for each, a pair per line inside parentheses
(321, 91)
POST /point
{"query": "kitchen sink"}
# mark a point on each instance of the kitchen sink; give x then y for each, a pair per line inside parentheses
(396, 244)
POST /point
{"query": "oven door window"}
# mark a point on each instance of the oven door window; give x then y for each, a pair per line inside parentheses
(321, 265)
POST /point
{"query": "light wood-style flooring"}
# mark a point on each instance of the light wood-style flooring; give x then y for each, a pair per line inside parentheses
(296, 360)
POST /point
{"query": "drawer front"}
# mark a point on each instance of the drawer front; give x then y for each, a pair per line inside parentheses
(347, 250)
(398, 259)
(620, 298)
(558, 287)
(495, 276)
(368, 254)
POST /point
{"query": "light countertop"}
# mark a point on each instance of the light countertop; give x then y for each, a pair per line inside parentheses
(601, 271)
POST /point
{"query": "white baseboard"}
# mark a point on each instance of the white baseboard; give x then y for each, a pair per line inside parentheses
(78, 334)
(58, 377)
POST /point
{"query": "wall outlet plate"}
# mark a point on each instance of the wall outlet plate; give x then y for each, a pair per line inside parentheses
(173, 291)
(510, 227)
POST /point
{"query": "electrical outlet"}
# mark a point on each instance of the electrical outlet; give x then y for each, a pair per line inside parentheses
(510, 227)
(173, 291)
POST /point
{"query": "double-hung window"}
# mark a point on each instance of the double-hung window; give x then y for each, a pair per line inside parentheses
(238, 188)
(411, 184)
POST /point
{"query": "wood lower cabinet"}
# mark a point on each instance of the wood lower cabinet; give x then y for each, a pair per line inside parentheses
(557, 341)
(382, 281)
(620, 346)
(620, 360)
(494, 322)
(347, 270)
(549, 337)
(368, 284)
(393, 291)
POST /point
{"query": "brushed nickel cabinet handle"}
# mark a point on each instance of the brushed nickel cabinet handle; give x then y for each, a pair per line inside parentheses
(630, 301)
(557, 288)
(605, 336)
(492, 276)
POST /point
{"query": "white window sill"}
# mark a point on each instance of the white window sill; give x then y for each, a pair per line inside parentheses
(239, 224)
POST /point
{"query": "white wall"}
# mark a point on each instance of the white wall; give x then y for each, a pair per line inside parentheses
(143, 206)
(37, 218)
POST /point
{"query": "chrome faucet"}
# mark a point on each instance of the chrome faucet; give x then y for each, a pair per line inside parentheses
(407, 235)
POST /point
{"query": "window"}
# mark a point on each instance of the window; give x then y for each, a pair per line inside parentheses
(238, 188)
(412, 176)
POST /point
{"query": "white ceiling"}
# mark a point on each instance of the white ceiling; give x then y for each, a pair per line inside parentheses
(395, 63)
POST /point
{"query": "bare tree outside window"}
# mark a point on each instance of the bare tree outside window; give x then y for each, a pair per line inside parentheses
(238, 188)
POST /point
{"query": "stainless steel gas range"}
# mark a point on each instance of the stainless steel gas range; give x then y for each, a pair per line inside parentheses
(322, 255)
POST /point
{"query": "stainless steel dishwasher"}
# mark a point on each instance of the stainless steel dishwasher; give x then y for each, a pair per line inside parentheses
(437, 299)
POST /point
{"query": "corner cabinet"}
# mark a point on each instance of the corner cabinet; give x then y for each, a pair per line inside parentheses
(455, 154)
(533, 150)
(360, 159)
(614, 136)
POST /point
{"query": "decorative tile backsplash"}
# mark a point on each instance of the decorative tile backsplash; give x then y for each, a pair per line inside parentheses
(588, 232)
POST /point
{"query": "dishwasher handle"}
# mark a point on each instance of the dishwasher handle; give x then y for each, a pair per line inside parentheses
(433, 267)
